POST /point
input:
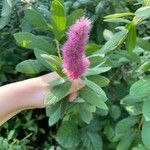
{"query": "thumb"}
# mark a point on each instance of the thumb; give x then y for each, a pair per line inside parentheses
(76, 85)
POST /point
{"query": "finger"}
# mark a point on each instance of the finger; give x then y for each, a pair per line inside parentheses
(76, 85)
(72, 96)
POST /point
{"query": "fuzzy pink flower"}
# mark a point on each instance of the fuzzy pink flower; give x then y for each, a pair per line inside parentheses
(74, 61)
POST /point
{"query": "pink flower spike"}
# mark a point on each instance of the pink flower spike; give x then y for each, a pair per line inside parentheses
(74, 61)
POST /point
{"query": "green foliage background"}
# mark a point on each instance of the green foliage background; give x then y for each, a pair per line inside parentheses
(126, 125)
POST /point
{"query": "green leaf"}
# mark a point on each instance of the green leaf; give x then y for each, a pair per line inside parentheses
(126, 141)
(11, 134)
(30, 41)
(99, 80)
(119, 15)
(54, 62)
(36, 19)
(57, 93)
(51, 62)
(5, 13)
(131, 38)
(58, 18)
(68, 135)
(54, 113)
(125, 125)
(143, 12)
(144, 67)
(109, 132)
(131, 99)
(91, 48)
(29, 67)
(135, 109)
(143, 44)
(89, 108)
(140, 147)
(107, 34)
(146, 110)
(91, 140)
(118, 20)
(93, 86)
(146, 134)
(38, 53)
(93, 98)
(7, 8)
(76, 14)
(115, 112)
(96, 70)
(141, 88)
(133, 57)
(85, 114)
(4, 21)
(96, 60)
(116, 40)
(57, 81)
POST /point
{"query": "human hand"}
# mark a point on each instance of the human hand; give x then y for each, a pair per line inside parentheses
(29, 94)
(72, 94)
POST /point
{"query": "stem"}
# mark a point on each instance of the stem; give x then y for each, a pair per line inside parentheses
(58, 49)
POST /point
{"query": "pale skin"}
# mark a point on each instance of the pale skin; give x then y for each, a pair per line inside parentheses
(29, 94)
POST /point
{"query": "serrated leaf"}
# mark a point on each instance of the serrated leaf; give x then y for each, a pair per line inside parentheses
(146, 134)
(36, 19)
(30, 67)
(30, 41)
(57, 93)
(68, 135)
(91, 140)
(146, 110)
